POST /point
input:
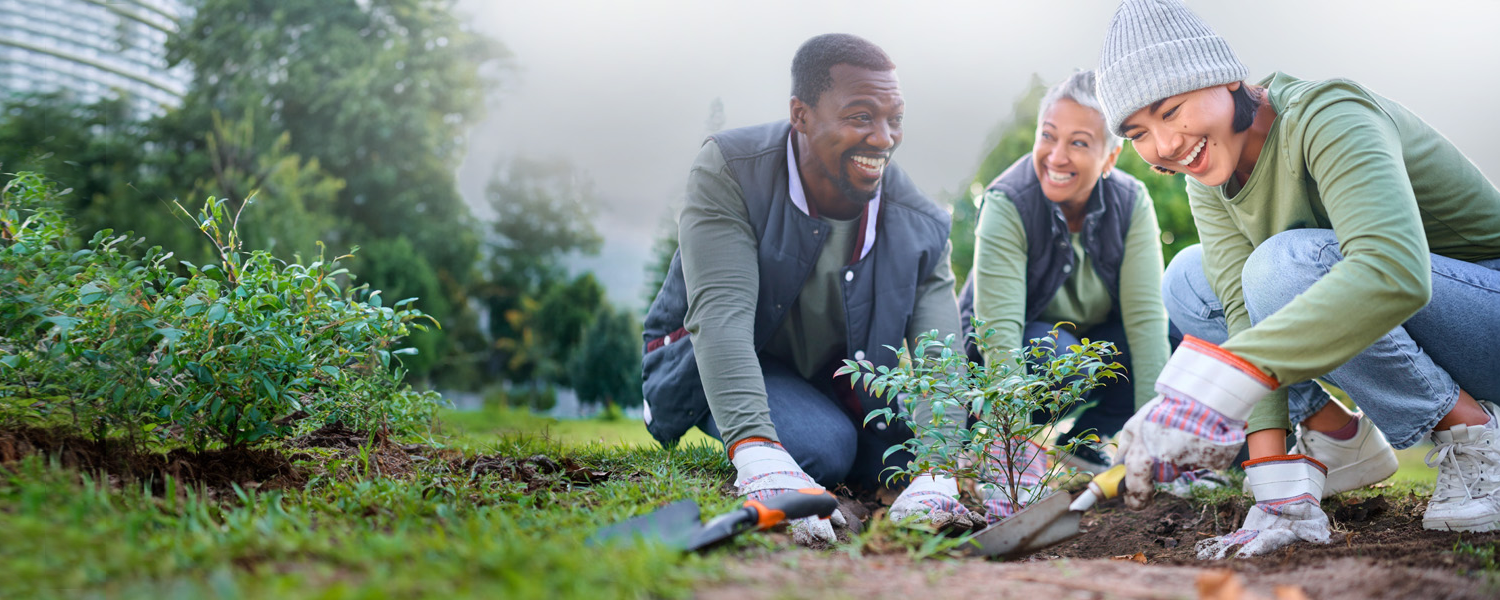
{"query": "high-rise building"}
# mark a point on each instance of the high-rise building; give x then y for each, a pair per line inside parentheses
(93, 49)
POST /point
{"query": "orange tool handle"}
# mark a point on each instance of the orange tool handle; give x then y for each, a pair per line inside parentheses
(806, 502)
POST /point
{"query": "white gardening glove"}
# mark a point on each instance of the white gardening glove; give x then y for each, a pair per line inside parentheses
(1020, 461)
(765, 470)
(934, 497)
(1196, 421)
(1286, 489)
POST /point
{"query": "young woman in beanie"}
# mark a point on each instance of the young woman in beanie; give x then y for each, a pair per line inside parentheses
(1065, 236)
(1344, 239)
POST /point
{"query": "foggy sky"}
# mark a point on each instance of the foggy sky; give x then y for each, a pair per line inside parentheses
(623, 89)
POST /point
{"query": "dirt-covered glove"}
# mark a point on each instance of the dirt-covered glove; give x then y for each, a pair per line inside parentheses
(1196, 421)
(936, 498)
(1185, 484)
(764, 469)
(1017, 462)
(1286, 511)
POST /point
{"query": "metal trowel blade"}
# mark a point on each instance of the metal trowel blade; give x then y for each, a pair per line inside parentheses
(1042, 523)
(673, 525)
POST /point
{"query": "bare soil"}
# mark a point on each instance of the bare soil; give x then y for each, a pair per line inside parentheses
(333, 450)
(1384, 553)
(215, 471)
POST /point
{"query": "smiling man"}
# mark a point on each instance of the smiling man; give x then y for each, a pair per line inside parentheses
(801, 245)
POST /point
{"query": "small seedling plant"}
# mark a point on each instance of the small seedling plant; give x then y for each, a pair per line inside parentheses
(959, 411)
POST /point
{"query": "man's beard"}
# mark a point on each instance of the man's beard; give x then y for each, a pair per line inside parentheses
(845, 183)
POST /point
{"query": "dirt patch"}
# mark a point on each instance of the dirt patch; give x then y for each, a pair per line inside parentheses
(1383, 530)
(538, 472)
(808, 574)
(1385, 553)
(363, 453)
(215, 471)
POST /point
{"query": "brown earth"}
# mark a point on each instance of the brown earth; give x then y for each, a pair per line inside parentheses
(333, 451)
(1384, 553)
(216, 471)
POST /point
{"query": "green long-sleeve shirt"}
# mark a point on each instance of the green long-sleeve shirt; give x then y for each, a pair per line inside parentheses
(999, 273)
(1391, 188)
(721, 270)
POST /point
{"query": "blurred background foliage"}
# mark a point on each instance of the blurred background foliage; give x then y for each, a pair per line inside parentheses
(343, 121)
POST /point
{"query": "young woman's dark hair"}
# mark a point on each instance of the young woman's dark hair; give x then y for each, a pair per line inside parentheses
(1245, 105)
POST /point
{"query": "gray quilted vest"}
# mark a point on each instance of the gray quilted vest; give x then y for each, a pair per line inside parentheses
(1049, 250)
(878, 298)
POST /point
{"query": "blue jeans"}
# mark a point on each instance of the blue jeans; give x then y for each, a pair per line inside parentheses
(818, 431)
(1109, 405)
(1408, 379)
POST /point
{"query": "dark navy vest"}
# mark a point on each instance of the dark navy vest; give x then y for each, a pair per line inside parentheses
(911, 234)
(1049, 249)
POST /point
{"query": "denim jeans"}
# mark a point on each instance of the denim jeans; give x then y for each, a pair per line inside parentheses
(1408, 379)
(818, 431)
(1109, 405)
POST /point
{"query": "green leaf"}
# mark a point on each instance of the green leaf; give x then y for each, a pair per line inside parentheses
(91, 292)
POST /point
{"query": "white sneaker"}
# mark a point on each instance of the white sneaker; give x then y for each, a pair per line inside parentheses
(1365, 459)
(1467, 497)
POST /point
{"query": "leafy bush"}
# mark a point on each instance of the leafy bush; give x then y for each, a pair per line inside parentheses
(976, 407)
(237, 352)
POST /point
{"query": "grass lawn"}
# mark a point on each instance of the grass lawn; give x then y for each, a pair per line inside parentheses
(437, 530)
(443, 528)
(479, 426)
(1412, 468)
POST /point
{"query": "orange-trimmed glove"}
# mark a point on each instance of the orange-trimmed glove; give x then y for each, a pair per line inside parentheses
(764, 470)
(1287, 489)
(1197, 421)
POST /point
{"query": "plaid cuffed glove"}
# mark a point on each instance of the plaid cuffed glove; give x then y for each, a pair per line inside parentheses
(765, 470)
(1287, 489)
(1197, 421)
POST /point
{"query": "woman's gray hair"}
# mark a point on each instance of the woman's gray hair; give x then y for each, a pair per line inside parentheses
(1079, 87)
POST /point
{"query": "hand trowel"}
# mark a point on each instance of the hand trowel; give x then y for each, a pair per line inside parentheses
(677, 524)
(1052, 520)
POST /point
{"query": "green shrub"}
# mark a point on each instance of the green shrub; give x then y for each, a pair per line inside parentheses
(238, 352)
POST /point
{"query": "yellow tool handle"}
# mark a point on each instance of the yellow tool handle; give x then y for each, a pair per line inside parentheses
(1110, 483)
(1106, 485)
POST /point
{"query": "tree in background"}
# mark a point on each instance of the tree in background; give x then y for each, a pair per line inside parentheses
(1014, 138)
(379, 93)
(544, 212)
(607, 367)
(99, 152)
(663, 248)
(293, 199)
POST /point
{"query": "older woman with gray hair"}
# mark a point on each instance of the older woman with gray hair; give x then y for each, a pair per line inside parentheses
(1065, 236)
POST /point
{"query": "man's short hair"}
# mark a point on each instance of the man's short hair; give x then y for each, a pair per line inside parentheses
(811, 66)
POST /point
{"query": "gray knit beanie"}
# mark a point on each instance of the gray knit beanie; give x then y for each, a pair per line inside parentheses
(1155, 49)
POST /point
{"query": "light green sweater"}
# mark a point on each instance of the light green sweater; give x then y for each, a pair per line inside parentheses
(1391, 188)
(999, 273)
(720, 266)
